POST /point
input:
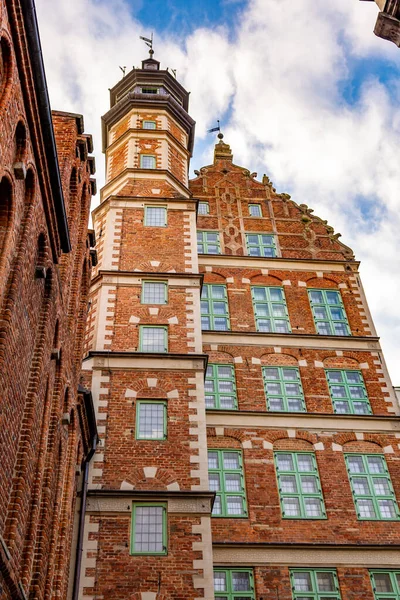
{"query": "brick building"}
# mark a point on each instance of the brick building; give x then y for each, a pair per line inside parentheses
(249, 431)
(47, 425)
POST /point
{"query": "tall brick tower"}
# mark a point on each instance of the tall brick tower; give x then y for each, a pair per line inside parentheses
(293, 495)
(148, 519)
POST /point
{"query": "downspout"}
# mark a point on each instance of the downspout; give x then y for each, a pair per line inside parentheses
(91, 421)
(82, 512)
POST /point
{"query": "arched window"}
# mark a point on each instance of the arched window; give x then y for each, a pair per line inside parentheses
(5, 69)
(5, 211)
(20, 151)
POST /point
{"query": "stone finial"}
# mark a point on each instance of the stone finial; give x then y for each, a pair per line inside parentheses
(222, 151)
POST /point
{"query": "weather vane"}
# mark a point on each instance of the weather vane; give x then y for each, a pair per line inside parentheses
(149, 43)
(218, 128)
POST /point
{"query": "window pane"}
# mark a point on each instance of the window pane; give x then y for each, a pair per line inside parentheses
(154, 292)
(156, 216)
(233, 482)
(234, 505)
(213, 480)
(387, 509)
(217, 508)
(375, 464)
(149, 529)
(305, 462)
(325, 582)
(255, 210)
(309, 484)
(288, 484)
(285, 462)
(241, 582)
(231, 460)
(219, 581)
(361, 486)
(302, 582)
(366, 508)
(313, 507)
(355, 464)
(147, 162)
(203, 208)
(151, 420)
(381, 486)
(149, 125)
(291, 507)
(153, 339)
(383, 583)
(213, 460)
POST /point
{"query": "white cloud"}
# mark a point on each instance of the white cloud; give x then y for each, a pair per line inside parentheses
(280, 75)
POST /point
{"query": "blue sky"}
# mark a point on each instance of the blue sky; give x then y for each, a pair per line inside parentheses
(304, 90)
(181, 17)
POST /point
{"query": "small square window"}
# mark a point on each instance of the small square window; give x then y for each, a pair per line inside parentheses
(151, 420)
(255, 210)
(148, 161)
(154, 292)
(208, 242)
(204, 208)
(149, 125)
(149, 529)
(153, 339)
(150, 90)
(155, 216)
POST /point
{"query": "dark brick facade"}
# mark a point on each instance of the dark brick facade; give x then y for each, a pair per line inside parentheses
(45, 263)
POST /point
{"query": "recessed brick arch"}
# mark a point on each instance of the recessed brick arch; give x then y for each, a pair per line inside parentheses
(341, 362)
(214, 277)
(266, 280)
(5, 69)
(281, 359)
(322, 282)
(160, 481)
(222, 355)
(364, 447)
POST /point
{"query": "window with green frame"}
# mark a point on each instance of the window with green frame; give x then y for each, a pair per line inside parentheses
(234, 584)
(151, 420)
(155, 216)
(372, 488)
(329, 315)
(154, 292)
(208, 242)
(283, 389)
(270, 309)
(314, 584)
(299, 486)
(255, 210)
(260, 244)
(385, 584)
(149, 528)
(214, 308)
(220, 387)
(153, 338)
(348, 392)
(204, 208)
(225, 476)
(149, 124)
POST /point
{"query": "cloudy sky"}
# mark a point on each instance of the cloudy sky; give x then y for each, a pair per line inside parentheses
(304, 90)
